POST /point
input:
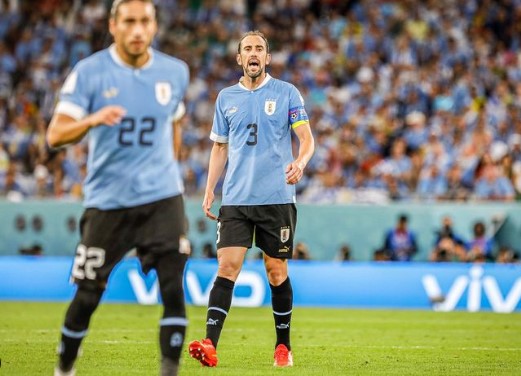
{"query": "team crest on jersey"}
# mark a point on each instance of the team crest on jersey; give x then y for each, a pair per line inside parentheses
(284, 234)
(163, 92)
(269, 106)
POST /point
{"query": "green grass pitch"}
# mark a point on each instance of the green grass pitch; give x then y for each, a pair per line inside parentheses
(122, 341)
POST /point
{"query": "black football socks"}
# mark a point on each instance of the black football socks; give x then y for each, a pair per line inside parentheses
(218, 307)
(282, 303)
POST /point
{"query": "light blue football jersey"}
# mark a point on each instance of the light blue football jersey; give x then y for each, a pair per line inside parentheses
(130, 163)
(257, 126)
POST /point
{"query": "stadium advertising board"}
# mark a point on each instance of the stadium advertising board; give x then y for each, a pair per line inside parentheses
(441, 287)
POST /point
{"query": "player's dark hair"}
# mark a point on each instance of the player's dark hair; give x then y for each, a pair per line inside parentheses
(116, 4)
(257, 33)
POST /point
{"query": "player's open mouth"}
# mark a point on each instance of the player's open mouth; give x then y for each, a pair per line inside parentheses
(253, 63)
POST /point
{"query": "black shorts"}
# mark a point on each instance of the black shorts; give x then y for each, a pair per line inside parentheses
(271, 226)
(107, 235)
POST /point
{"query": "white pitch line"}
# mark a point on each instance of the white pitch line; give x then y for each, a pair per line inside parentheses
(421, 347)
(108, 342)
(473, 348)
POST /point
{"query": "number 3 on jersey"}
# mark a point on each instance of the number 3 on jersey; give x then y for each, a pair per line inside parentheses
(86, 260)
(252, 138)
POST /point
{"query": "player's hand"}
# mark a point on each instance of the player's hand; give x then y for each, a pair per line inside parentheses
(294, 172)
(108, 115)
(207, 205)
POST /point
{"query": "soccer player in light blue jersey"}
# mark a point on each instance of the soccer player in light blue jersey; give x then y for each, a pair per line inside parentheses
(127, 99)
(252, 129)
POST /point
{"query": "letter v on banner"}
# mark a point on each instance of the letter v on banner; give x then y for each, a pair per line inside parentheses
(143, 295)
(199, 297)
(495, 298)
(430, 283)
(476, 284)
(250, 279)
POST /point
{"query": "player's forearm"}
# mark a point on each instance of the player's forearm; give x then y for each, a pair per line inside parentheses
(306, 150)
(178, 139)
(64, 130)
(218, 158)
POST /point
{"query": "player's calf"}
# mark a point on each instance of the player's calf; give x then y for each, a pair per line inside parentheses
(77, 321)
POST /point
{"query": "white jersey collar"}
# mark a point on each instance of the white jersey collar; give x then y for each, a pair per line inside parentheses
(117, 59)
(263, 83)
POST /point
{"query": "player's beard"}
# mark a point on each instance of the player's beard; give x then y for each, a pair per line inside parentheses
(135, 52)
(254, 75)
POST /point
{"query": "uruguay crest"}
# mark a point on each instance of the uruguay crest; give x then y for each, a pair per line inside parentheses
(163, 92)
(284, 234)
(269, 106)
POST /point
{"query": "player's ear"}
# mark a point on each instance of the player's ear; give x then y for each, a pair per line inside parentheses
(268, 59)
(238, 59)
(112, 26)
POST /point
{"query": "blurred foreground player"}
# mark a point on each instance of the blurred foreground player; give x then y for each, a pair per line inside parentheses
(128, 99)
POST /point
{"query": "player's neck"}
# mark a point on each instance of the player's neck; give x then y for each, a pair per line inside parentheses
(252, 83)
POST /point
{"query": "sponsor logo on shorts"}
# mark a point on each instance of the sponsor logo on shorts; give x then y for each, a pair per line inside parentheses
(284, 249)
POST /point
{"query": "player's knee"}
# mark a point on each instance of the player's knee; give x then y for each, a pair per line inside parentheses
(83, 305)
(277, 271)
(229, 269)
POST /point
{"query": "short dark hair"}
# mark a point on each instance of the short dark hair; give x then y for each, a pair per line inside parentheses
(116, 4)
(249, 33)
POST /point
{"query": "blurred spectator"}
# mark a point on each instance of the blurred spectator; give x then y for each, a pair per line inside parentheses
(480, 247)
(400, 242)
(208, 251)
(11, 185)
(506, 255)
(34, 250)
(456, 190)
(4, 161)
(43, 187)
(381, 255)
(514, 144)
(493, 185)
(301, 252)
(448, 245)
(432, 184)
(344, 253)
(444, 80)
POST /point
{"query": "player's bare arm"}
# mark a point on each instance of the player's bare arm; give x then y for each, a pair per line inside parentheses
(178, 137)
(177, 124)
(218, 158)
(64, 129)
(295, 170)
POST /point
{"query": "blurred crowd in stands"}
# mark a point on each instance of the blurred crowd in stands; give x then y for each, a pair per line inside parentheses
(408, 100)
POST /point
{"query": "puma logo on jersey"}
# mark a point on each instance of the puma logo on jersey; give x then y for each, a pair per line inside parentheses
(110, 93)
(232, 110)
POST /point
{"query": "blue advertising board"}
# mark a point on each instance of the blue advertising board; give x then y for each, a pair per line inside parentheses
(436, 286)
